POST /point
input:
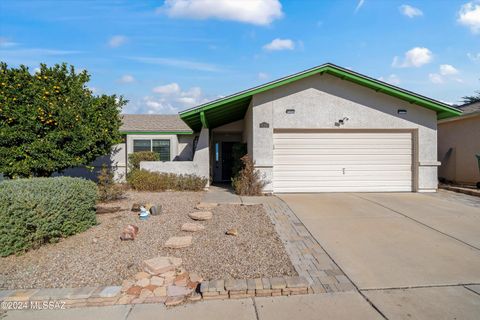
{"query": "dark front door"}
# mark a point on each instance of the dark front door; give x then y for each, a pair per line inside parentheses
(227, 160)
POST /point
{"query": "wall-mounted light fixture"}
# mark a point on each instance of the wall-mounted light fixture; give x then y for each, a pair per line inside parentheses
(402, 111)
(290, 111)
(342, 121)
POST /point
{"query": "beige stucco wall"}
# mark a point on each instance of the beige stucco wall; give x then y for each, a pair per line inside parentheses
(458, 143)
(321, 100)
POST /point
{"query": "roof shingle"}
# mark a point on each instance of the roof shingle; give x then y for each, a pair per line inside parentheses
(153, 123)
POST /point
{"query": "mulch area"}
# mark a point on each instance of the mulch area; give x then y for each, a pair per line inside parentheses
(98, 257)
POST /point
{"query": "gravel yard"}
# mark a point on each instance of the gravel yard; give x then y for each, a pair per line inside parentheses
(98, 257)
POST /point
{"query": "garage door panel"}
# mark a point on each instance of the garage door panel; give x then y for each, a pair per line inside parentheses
(345, 151)
(342, 161)
(351, 175)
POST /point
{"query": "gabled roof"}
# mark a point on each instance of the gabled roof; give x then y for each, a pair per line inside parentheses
(153, 124)
(470, 110)
(233, 107)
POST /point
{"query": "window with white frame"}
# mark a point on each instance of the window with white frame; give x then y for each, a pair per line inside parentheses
(160, 146)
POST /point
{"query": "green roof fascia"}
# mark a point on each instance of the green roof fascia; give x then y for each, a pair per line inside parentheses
(443, 110)
(156, 132)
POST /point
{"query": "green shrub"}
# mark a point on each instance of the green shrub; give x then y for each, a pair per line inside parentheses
(41, 210)
(144, 180)
(135, 158)
(108, 190)
(248, 181)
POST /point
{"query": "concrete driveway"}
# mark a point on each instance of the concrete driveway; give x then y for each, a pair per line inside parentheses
(405, 252)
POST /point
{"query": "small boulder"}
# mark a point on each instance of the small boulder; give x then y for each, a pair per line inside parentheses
(192, 227)
(232, 232)
(178, 242)
(200, 215)
(155, 210)
(136, 207)
(129, 233)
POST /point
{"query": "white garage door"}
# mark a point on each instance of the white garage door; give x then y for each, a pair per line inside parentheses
(342, 162)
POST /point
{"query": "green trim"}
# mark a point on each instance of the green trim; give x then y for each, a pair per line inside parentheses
(243, 98)
(156, 132)
(203, 119)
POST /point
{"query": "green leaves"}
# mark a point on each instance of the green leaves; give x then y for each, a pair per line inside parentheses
(41, 210)
(50, 120)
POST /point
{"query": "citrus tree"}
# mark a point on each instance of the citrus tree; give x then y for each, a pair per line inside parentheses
(50, 120)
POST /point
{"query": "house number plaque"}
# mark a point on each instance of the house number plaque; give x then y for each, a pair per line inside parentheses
(264, 125)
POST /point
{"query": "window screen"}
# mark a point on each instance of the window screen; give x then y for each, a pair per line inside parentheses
(142, 145)
(162, 147)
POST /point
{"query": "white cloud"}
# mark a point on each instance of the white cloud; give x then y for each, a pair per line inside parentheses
(5, 43)
(127, 79)
(435, 78)
(410, 11)
(178, 63)
(171, 88)
(258, 12)
(415, 57)
(469, 16)
(117, 41)
(172, 99)
(475, 57)
(447, 70)
(359, 5)
(393, 79)
(262, 76)
(279, 44)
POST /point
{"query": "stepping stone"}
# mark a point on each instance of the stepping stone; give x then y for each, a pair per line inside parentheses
(192, 227)
(206, 205)
(178, 242)
(177, 291)
(200, 215)
(161, 264)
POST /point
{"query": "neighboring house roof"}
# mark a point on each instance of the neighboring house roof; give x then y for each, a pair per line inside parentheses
(233, 107)
(153, 124)
(470, 110)
(470, 107)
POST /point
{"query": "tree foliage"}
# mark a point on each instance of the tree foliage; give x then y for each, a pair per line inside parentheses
(472, 99)
(50, 120)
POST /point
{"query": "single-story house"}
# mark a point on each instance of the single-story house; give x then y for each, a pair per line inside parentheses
(459, 146)
(325, 129)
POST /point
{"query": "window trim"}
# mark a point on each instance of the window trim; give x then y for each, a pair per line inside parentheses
(151, 146)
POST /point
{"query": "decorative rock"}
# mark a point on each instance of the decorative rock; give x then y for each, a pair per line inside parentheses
(206, 206)
(136, 207)
(155, 210)
(143, 282)
(157, 281)
(178, 242)
(160, 292)
(200, 215)
(145, 293)
(192, 227)
(169, 278)
(129, 233)
(195, 277)
(161, 265)
(232, 232)
(173, 301)
(126, 284)
(181, 279)
(134, 290)
(126, 299)
(141, 275)
(175, 291)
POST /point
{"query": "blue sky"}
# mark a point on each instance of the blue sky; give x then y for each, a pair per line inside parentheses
(166, 56)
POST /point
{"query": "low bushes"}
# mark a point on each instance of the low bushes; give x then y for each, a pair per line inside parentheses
(135, 158)
(108, 190)
(143, 180)
(40, 210)
(248, 182)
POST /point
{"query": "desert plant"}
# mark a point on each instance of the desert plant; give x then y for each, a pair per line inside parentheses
(135, 158)
(143, 180)
(248, 182)
(50, 120)
(41, 210)
(108, 190)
